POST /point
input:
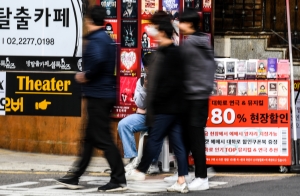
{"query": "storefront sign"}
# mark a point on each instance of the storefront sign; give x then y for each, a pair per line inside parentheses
(42, 94)
(32, 29)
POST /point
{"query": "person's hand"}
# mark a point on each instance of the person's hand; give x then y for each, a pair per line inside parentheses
(145, 82)
(80, 77)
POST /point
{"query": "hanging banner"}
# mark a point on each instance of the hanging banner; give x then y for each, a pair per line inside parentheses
(249, 130)
(33, 29)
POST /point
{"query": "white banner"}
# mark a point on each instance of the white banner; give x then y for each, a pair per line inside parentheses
(41, 28)
(243, 141)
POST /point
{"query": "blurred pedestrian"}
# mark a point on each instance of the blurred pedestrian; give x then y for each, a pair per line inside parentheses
(135, 123)
(99, 88)
(199, 69)
(164, 102)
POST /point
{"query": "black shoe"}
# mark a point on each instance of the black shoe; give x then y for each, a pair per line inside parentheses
(111, 187)
(70, 181)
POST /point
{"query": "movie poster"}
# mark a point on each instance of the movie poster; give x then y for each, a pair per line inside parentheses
(272, 103)
(222, 88)
(241, 69)
(127, 88)
(252, 88)
(197, 4)
(262, 88)
(232, 88)
(283, 68)
(282, 103)
(207, 22)
(111, 28)
(129, 9)
(147, 41)
(171, 7)
(242, 88)
(149, 7)
(207, 5)
(272, 68)
(283, 88)
(220, 71)
(129, 33)
(230, 69)
(128, 62)
(215, 88)
(111, 8)
(262, 69)
(251, 68)
(272, 88)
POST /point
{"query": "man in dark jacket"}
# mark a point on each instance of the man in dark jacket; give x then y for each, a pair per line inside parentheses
(99, 88)
(164, 98)
(199, 73)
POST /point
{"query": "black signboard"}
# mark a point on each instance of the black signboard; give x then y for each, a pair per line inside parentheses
(40, 63)
(129, 33)
(42, 94)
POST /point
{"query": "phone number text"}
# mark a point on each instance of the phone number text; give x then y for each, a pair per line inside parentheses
(28, 41)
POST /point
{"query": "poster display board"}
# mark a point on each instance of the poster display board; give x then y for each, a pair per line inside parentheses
(127, 22)
(249, 119)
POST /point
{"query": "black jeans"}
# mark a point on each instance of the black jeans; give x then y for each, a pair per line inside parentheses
(98, 135)
(165, 125)
(194, 123)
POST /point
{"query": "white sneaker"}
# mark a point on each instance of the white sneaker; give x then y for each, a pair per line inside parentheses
(181, 188)
(153, 169)
(199, 184)
(135, 175)
(132, 165)
(174, 178)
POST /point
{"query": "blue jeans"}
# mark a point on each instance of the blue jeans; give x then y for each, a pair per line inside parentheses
(127, 127)
(165, 125)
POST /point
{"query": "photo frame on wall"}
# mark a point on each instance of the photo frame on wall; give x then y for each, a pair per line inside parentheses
(129, 29)
(111, 8)
(149, 7)
(129, 9)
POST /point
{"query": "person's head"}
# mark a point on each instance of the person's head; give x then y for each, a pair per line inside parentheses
(108, 27)
(189, 21)
(129, 3)
(262, 87)
(147, 59)
(163, 27)
(144, 36)
(95, 17)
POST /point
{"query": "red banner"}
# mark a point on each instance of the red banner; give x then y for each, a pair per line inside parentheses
(250, 130)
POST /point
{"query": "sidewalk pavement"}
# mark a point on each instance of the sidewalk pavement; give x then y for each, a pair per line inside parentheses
(34, 162)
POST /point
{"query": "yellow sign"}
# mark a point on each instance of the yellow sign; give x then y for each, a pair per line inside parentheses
(52, 86)
(42, 105)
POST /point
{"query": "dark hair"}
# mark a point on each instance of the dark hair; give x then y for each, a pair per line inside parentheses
(147, 58)
(163, 21)
(190, 15)
(144, 34)
(97, 14)
(108, 25)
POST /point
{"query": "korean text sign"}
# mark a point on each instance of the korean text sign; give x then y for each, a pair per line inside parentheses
(36, 29)
(243, 130)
